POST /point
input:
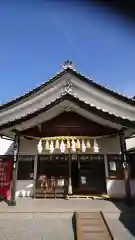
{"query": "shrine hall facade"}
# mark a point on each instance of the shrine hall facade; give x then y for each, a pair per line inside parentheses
(69, 139)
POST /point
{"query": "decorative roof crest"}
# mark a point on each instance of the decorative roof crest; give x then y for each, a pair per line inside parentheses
(68, 64)
(68, 87)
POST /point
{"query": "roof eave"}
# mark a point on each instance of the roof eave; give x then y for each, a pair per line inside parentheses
(125, 123)
(90, 82)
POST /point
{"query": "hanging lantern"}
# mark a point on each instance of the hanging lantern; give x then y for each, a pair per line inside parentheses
(47, 145)
(83, 146)
(39, 147)
(88, 144)
(68, 144)
(62, 147)
(78, 145)
(96, 147)
(57, 145)
(73, 146)
(51, 148)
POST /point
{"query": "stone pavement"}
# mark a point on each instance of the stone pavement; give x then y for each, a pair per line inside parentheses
(119, 229)
(61, 205)
(39, 219)
(19, 226)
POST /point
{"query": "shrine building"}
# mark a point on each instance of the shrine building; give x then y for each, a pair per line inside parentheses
(67, 138)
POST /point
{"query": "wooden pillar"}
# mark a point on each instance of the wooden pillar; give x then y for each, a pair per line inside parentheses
(70, 180)
(15, 169)
(106, 166)
(126, 168)
(79, 169)
(106, 172)
(35, 174)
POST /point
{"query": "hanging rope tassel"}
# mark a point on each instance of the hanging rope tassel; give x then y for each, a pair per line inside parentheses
(62, 146)
(96, 147)
(57, 145)
(88, 145)
(68, 144)
(83, 146)
(73, 146)
(39, 147)
(51, 148)
(47, 145)
(78, 145)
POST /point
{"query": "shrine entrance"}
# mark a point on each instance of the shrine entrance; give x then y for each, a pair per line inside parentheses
(87, 173)
(71, 143)
(75, 171)
(52, 176)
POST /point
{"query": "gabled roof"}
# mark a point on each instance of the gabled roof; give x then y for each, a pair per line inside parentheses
(78, 102)
(82, 78)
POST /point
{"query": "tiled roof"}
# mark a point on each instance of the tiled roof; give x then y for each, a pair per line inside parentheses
(93, 109)
(81, 77)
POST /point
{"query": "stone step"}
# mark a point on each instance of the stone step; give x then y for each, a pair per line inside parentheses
(92, 226)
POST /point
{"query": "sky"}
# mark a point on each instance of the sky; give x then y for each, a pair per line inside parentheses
(37, 36)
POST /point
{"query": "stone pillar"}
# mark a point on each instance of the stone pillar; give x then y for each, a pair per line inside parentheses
(15, 169)
(70, 180)
(126, 168)
(35, 173)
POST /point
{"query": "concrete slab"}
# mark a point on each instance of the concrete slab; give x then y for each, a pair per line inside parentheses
(37, 226)
(52, 219)
(61, 205)
(117, 228)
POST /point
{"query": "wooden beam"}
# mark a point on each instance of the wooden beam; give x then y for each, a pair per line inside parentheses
(15, 169)
(126, 168)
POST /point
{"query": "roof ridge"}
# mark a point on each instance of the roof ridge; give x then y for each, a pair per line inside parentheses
(103, 86)
(82, 77)
(37, 88)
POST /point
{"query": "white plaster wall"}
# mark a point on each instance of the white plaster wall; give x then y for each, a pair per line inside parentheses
(115, 188)
(130, 143)
(109, 145)
(6, 146)
(28, 146)
(106, 145)
(24, 188)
